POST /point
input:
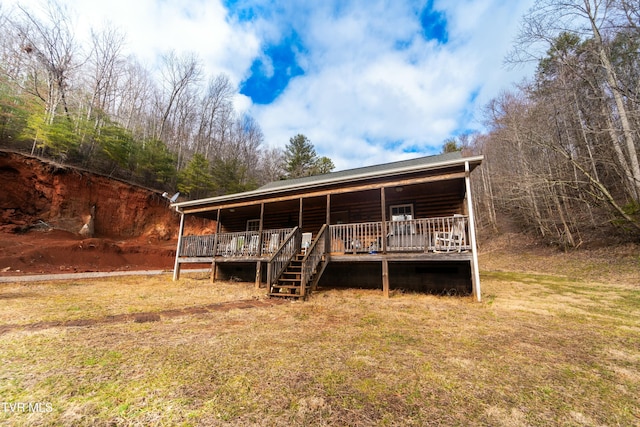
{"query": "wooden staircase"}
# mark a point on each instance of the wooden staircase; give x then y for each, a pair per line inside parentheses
(289, 283)
(301, 273)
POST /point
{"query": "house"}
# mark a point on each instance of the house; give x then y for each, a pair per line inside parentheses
(402, 225)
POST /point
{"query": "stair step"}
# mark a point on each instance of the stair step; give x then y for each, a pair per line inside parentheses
(271, 294)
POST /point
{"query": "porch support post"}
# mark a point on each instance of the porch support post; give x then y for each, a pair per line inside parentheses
(215, 249)
(176, 267)
(328, 220)
(385, 277)
(260, 228)
(383, 206)
(475, 272)
(300, 215)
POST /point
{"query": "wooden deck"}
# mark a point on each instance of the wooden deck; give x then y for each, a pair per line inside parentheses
(421, 240)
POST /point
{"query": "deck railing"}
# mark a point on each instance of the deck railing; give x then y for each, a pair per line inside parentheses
(239, 244)
(271, 239)
(357, 237)
(441, 234)
(313, 257)
(244, 243)
(278, 262)
(197, 246)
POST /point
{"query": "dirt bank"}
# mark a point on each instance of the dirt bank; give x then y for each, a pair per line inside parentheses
(43, 207)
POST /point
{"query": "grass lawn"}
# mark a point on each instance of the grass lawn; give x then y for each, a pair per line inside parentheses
(556, 344)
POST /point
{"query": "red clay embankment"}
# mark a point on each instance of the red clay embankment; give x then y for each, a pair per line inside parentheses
(44, 205)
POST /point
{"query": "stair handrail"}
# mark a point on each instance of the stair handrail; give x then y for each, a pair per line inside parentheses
(279, 261)
(313, 257)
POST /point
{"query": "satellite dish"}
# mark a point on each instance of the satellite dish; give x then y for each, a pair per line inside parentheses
(174, 197)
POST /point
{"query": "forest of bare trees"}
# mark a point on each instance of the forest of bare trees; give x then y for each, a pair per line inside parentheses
(89, 104)
(562, 149)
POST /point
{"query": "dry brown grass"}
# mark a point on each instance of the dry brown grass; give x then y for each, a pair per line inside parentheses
(542, 349)
(26, 303)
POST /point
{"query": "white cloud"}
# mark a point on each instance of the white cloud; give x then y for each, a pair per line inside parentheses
(361, 92)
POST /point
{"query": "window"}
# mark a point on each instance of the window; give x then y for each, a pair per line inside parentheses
(401, 214)
(253, 225)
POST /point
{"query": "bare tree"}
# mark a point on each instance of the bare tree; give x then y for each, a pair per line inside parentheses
(599, 21)
(133, 109)
(106, 65)
(52, 45)
(215, 106)
(178, 74)
(271, 165)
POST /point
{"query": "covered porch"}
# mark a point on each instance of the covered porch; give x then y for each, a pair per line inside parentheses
(410, 216)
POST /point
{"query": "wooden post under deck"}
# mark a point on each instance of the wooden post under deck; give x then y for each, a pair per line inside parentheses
(258, 273)
(385, 278)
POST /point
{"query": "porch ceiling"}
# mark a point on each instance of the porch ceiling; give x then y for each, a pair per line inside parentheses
(423, 170)
(435, 183)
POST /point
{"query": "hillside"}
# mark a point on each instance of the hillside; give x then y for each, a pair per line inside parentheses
(44, 206)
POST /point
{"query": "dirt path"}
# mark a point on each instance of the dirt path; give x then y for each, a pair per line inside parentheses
(87, 275)
(143, 317)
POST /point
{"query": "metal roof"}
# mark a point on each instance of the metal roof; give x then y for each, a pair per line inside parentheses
(346, 176)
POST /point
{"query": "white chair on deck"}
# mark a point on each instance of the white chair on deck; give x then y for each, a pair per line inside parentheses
(254, 242)
(306, 241)
(452, 240)
(230, 248)
(274, 243)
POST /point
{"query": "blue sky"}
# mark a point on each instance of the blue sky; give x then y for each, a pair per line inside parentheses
(366, 81)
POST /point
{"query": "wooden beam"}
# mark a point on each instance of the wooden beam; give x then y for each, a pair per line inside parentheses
(319, 193)
(196, 260)
(404, 257)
